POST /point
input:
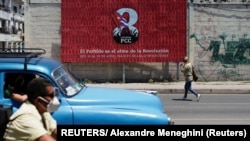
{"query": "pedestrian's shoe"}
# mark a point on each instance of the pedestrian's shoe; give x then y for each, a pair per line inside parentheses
(198, 97)
(184, 98)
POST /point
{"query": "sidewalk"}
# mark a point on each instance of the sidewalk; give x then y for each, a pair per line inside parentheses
(223, 87)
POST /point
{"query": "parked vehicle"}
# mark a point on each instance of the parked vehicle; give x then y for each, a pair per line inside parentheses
(82, 104)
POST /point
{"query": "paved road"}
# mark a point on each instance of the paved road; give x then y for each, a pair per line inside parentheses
(228, 109)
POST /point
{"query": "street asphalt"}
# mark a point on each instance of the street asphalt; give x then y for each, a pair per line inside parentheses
(218, 87)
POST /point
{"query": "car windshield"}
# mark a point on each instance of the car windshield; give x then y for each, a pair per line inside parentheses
(67, 82)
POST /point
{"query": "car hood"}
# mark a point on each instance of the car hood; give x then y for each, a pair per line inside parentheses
(116, 98)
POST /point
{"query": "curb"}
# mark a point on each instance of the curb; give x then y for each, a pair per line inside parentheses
(200, 91)
(178, 88)
(205, 91)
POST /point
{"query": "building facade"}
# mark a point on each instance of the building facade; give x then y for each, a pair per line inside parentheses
(11, 25)
(217, 43)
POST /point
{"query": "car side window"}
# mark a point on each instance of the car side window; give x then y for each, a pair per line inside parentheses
(16, 83)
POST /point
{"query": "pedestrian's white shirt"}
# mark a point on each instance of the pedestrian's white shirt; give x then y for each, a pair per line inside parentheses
(27, 124)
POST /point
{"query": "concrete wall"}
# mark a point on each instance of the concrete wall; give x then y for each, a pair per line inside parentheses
(212, 28)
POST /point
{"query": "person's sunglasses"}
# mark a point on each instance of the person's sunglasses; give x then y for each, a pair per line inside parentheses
(55, 93)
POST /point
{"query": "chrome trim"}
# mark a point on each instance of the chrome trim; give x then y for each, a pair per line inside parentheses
(148, 91)
(170, 121)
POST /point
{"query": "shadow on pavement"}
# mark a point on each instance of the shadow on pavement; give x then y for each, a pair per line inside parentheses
(181, 99)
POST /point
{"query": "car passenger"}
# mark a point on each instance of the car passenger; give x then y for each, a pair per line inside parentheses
(16, 86)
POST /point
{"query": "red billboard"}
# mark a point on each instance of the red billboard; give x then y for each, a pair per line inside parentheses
(123, 30)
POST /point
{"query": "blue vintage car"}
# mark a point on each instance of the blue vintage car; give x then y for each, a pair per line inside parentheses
(80, 103)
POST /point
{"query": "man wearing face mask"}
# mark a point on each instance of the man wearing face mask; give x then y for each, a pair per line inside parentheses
(33, 121)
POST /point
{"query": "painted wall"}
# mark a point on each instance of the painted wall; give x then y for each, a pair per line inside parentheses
(220, 37)
(43, 30)
(218, 44)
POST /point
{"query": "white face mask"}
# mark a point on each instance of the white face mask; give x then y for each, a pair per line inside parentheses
(53, 105)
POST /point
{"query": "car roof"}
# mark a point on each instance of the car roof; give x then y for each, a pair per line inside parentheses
(28, 61)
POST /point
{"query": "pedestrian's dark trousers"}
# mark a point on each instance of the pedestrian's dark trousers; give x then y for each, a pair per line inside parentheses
(188, 87)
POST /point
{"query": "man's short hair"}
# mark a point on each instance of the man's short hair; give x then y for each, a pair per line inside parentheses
(185, 59)
(37, 87)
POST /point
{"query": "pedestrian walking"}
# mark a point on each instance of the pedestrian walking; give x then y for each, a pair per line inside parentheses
(187, 69)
